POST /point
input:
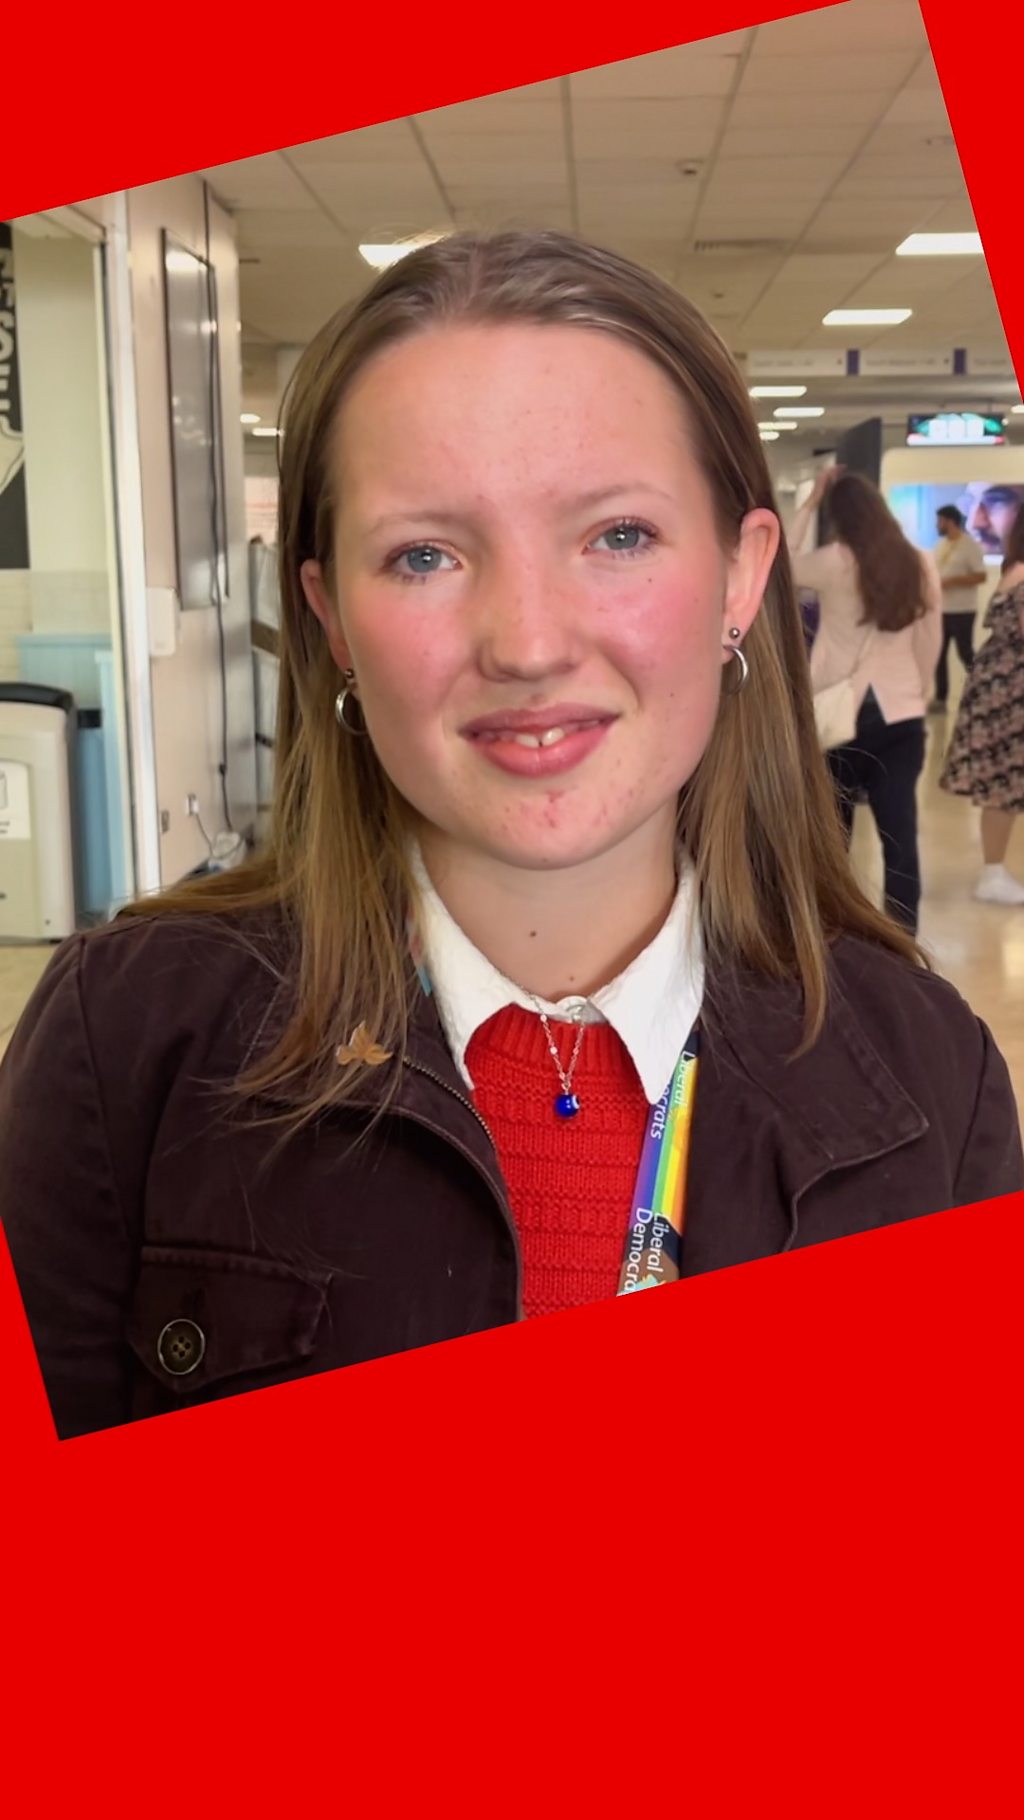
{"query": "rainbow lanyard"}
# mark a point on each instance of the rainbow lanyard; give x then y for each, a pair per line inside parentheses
(654, 1240)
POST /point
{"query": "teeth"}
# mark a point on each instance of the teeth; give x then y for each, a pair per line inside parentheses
(550, 738)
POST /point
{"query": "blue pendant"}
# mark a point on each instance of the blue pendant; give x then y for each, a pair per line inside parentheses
(566, 1105)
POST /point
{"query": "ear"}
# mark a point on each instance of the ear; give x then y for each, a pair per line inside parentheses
(749, 567)
(318, 598)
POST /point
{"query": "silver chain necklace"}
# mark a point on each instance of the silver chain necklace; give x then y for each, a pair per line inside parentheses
(566, 1103)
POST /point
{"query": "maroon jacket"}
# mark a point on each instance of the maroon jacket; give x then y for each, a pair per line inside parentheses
(170, 1252)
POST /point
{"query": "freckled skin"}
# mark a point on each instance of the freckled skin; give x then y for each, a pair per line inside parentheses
(484, 440)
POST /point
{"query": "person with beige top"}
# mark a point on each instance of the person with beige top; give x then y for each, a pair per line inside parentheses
(961, 565)
(881, 627)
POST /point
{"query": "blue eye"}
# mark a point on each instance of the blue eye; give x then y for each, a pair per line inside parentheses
(626, 538)
(425, 559)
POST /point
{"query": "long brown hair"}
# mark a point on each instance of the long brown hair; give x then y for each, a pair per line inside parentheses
(890, 572)
(1013, 547)
(758, 817)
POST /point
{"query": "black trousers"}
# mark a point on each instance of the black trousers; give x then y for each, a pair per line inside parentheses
(958, 630)
(883, 764)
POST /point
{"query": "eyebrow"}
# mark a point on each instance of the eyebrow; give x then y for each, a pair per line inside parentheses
(581, 502)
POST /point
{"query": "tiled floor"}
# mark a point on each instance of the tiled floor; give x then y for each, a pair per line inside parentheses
(980, 947)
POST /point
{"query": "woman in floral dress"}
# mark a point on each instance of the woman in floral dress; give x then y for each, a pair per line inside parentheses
(985, 760)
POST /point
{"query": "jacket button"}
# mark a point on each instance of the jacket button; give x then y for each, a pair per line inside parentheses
(180, 1347)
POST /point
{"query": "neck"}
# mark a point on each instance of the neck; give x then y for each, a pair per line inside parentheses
(561, 933)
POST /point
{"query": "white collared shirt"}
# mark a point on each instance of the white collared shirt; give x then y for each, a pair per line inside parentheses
(652, 1005)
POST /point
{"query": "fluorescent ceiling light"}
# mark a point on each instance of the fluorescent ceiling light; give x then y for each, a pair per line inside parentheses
(776, 426)
(799, 410)
(769, 435)
(867, 319)
(264, 432)
(926, 246)
(382, 254)
(250, 417)
(777, 391)
(1017, 410)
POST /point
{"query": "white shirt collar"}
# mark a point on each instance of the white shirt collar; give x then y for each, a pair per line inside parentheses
(652, 1005)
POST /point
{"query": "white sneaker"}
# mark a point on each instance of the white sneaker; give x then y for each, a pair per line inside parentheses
(997, 886)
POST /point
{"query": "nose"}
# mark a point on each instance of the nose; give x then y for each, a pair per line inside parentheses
(525, 628)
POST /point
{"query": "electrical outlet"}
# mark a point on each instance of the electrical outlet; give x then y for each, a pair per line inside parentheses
(191, 804)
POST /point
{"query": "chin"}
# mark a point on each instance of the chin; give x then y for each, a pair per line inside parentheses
(552, 849)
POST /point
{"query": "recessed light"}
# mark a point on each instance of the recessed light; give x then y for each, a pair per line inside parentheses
(382, 254)
(776, 426)
(769, 435)
(927, 246)
(868, 319)
(250, 417)
(264, 432)
(799, 410)
(1017, 410)
(777, 391)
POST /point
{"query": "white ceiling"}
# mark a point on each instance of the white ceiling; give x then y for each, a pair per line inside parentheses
(810, 146)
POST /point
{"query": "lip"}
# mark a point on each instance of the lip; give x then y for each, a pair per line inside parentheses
(537, 720)
(500, 748)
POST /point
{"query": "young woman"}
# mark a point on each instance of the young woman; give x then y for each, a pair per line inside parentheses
(552, 983)
(881, 626)
(985, 760)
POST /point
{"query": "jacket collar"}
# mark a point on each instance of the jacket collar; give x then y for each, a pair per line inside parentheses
(832, 1107)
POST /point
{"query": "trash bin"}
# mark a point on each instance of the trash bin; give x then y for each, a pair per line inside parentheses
(37, 856)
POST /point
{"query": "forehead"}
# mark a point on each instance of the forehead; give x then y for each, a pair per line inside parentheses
(519, 397)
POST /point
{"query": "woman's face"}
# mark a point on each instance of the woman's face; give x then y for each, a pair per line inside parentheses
(530, 587)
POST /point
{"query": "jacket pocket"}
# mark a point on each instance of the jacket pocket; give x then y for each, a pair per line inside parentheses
(199, 1317)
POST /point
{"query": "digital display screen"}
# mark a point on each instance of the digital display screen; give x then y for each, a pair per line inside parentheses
(989, 508)
(955, 429)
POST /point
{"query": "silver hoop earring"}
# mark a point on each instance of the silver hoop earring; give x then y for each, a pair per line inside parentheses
(734, 651)
(346, 694)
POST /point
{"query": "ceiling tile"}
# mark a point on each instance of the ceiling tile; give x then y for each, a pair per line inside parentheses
(662, 171)
(260, 229)
(775, 109)
(513, 151)
(790, 176)
(889, 23)
(259, 183)
(639, 201)
(836, 269)
(791, 139)
(392, 141)
(355, 190)
(492, 114)
(876, 178)
(667, 73)
(648, 129)
(878, 73)
(922, 107)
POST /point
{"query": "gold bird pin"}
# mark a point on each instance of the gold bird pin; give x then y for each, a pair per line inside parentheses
(362, 1048)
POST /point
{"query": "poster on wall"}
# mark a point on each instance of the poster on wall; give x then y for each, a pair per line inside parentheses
(989, 509)
(13, 501)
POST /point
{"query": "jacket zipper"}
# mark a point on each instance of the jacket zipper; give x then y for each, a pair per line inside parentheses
(428, 1074)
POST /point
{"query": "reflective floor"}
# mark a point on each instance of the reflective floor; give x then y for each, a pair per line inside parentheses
(980, 947)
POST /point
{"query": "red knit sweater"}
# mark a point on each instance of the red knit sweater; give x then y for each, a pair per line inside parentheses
(570, 1181)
